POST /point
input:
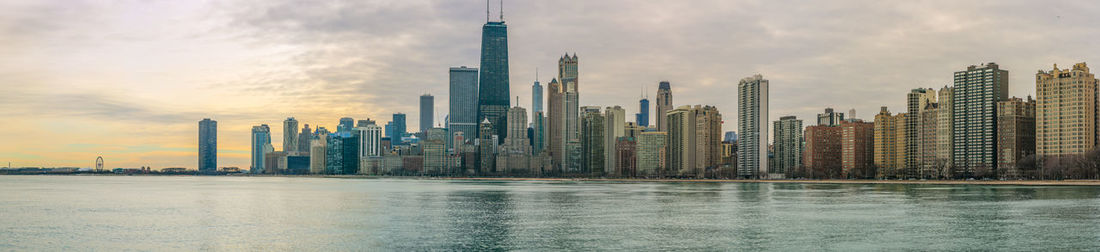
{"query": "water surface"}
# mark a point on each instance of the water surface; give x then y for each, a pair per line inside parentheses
(275, 213)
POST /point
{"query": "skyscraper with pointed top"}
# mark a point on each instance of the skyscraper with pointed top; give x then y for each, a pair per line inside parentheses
(664, 104)
(493, 96)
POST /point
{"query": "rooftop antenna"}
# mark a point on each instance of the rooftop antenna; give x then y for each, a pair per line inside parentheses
(486, 11)
(536, 73)
(502, 11)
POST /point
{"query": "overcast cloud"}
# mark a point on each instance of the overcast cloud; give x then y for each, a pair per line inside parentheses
(129, 80)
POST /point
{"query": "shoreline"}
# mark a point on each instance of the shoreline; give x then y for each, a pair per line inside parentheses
(1078, 182)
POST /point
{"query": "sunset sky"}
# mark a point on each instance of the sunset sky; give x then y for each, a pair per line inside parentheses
(129, 80)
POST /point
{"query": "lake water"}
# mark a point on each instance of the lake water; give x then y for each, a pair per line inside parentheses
(60, 213)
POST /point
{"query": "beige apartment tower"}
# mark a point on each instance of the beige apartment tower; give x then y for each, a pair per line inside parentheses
(1065, 111)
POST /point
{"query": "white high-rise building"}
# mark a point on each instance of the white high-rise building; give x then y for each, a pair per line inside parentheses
(615, 127)
(370, 140)
(752, 124)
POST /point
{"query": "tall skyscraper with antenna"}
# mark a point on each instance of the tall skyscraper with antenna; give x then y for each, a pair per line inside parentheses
(493, 96)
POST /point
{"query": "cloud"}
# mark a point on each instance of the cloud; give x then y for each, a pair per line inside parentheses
(166, 65)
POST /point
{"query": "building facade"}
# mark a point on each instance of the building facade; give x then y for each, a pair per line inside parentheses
(885, 143)
(857, 149)
(615, 127)
(290, 135)
(651, 153)
(427, 112)
(822, 156)
(593, 141)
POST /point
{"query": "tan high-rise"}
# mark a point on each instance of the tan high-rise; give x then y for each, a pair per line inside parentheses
(1065, 111)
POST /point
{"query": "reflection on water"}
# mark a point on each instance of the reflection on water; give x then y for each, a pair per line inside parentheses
(226, 213)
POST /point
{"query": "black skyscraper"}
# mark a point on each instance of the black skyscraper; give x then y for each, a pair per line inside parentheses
(493, 101)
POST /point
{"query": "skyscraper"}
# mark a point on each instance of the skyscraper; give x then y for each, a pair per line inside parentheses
(486, 148)
(304, 139)
(493, 95)
(462, 117)
(1066, 111)
(642, 118)
(822, 156)
(514, 156)
(664, 104)
(261, 136)
(918, 101)
(399, 129)
(592, 141)
(752, 123)
(830, 117)
(555, 128)
(651, 153)
(290, 135)
(788, 146)
(346, 124)
(536, 95)
(427, 112)
(615, 127)
(885, 143)
(977, 90)
(569, 77)
(370, 141)
(208, 146)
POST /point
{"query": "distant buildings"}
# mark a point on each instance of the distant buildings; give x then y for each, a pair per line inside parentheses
(694, 140)
(208, 146)
(752, 123)
(514, 156)
(642, 117)
(400, 130)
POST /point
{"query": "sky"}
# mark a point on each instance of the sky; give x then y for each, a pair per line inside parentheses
(129, 80)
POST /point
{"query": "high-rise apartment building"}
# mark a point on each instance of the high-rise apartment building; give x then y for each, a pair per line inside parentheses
(593, 141)
(977, 90)
(681, 142)
(651, 153)
(787, 147)
(435, 151)
(708, 139)
(486, 148)
(615, 127)
(752, 123)
(822, 156)
(370, 141)
(857, 149)
(427, 112)
(917, 101)
(945, 129)
(569, 77)
(493, 88)
(1066, 111)
(885, 143)
(208, 146)
(664, 104)
(1015, 134)
(261, 136)
(462, 101)
(290, 135)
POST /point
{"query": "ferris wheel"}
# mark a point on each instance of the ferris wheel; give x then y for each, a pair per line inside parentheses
(99, 164)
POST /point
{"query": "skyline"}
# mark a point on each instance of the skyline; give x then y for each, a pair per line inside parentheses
(94, 99)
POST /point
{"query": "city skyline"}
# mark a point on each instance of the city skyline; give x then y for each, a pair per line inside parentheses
(140, 110)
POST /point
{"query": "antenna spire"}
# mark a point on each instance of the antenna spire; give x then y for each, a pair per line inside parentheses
(536, 74)
(502, 11)
(486, 11)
